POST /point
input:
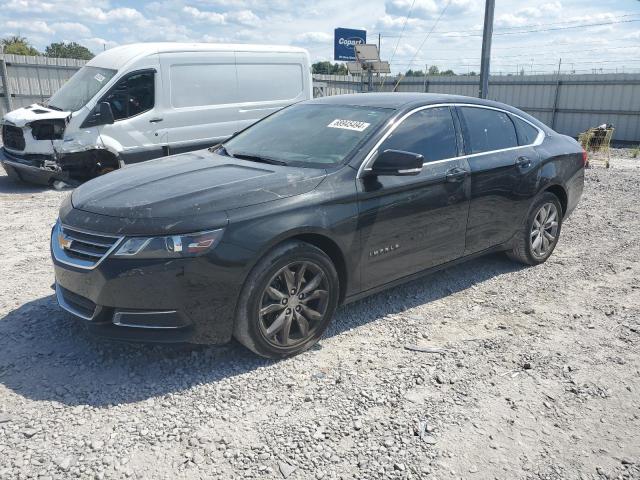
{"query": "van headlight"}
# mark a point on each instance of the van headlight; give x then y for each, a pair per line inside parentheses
(173, 246)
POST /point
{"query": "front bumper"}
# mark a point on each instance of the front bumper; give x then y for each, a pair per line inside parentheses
(31, 168)
(179, 300)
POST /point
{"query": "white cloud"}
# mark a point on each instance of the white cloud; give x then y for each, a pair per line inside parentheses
(313, 37)
(73, 28)
(37, 26)
(210, 17)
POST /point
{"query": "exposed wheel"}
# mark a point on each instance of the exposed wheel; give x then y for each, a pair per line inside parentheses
(537, 239)
(287, 301)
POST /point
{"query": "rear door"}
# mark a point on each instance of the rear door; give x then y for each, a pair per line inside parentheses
(497, 164)
(200, 98)
(268, 82)
(410, 223)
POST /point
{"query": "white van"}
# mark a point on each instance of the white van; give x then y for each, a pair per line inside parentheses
(147, 100)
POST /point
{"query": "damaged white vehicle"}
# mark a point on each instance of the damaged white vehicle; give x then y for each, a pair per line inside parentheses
(147, 100)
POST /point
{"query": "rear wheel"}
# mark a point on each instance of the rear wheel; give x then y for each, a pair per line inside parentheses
(537, 239)
(287, 301)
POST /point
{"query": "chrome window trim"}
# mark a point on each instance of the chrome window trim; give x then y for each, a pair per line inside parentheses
(366, 163)
(56, 250)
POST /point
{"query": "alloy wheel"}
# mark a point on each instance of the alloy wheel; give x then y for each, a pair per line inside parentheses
(294, 304)
(544, 231)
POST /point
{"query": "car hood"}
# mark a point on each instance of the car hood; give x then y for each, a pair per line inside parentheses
(23, 116)
(191, 184)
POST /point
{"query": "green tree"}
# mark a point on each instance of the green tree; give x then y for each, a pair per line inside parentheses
(414, 73)
(18, 45)
(329, 68)
(434, 70)
(68, 50)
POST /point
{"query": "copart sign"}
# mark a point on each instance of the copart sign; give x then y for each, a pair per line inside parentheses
(344, 40)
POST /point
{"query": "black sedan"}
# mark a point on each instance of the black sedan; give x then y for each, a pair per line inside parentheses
(319, 204)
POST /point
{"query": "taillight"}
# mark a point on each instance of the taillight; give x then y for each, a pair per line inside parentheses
(585, 158)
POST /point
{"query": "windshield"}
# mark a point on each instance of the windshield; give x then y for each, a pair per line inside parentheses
(308, 134)
(80, 88)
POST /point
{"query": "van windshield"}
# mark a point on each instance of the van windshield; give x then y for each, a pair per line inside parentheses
(80, 88)
(306, 134)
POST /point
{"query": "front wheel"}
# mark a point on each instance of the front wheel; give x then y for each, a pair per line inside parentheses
(537, 239)
(287, 301)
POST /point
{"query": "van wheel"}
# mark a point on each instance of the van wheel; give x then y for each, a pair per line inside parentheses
(536, 241)
(287, 301)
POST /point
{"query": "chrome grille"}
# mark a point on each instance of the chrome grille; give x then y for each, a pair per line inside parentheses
(81, 248)
(13, 137)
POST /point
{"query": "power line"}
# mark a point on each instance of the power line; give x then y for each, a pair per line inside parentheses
(519, 32)
(427, 36)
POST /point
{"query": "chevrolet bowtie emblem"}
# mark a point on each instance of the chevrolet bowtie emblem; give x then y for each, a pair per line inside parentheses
(64, 241)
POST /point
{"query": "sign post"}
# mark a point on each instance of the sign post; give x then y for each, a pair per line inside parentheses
(344, 42)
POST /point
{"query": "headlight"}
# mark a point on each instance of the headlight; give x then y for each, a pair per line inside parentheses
(173, 246)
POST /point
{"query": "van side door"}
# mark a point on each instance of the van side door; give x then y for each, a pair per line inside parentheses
(268, 82)
(199, 98)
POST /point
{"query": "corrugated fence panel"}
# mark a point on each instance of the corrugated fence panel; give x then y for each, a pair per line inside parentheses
(576, 102)
(34, 79)
(571, 103)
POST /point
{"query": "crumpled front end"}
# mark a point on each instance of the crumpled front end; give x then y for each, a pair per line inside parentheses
(29, 137)
(37, 147)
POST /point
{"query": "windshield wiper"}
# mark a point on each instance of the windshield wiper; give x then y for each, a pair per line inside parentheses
(255, 158)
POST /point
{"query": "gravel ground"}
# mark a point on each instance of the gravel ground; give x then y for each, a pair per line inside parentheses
(538, 377)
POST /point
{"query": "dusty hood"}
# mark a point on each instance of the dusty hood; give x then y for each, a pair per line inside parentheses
(191, 184)
(25, 115)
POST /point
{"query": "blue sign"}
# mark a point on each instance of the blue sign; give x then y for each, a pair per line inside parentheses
(344, 41)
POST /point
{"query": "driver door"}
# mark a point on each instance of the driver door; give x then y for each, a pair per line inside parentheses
(411, 223)
(137, 131)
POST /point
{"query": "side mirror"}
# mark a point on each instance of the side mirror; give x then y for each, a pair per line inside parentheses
(105, 113)
(397, 163)
(101, 115)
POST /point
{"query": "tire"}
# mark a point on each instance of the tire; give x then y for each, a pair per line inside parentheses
(533, 248)
(281, 314)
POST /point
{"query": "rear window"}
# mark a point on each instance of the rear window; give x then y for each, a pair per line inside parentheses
(527, 134)
(488, 129)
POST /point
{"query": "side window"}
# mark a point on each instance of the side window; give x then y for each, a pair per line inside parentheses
(488, 129)
(263, 82)
(526, 133)
(198, 85)
(132, 95)
(429, 132)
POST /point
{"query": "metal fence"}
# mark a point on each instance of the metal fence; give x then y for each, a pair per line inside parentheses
(570, 104)
(25, 79)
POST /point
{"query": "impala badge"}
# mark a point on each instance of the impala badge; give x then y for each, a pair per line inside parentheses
(384, 250)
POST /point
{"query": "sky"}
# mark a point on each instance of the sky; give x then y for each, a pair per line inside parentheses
(529, 35)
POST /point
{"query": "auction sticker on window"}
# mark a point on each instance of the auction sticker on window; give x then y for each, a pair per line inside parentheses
(349, 125)
(99, 77)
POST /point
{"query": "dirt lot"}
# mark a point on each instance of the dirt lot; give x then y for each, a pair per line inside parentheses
(539, 378)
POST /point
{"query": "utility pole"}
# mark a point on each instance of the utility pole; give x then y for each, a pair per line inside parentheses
(485, 61)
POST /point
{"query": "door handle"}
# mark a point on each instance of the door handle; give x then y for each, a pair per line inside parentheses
(456, 174)
(155, 120)
(523, 162)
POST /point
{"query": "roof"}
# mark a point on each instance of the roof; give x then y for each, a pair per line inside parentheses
(398, 100)
(117, 57)
(408, 100)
